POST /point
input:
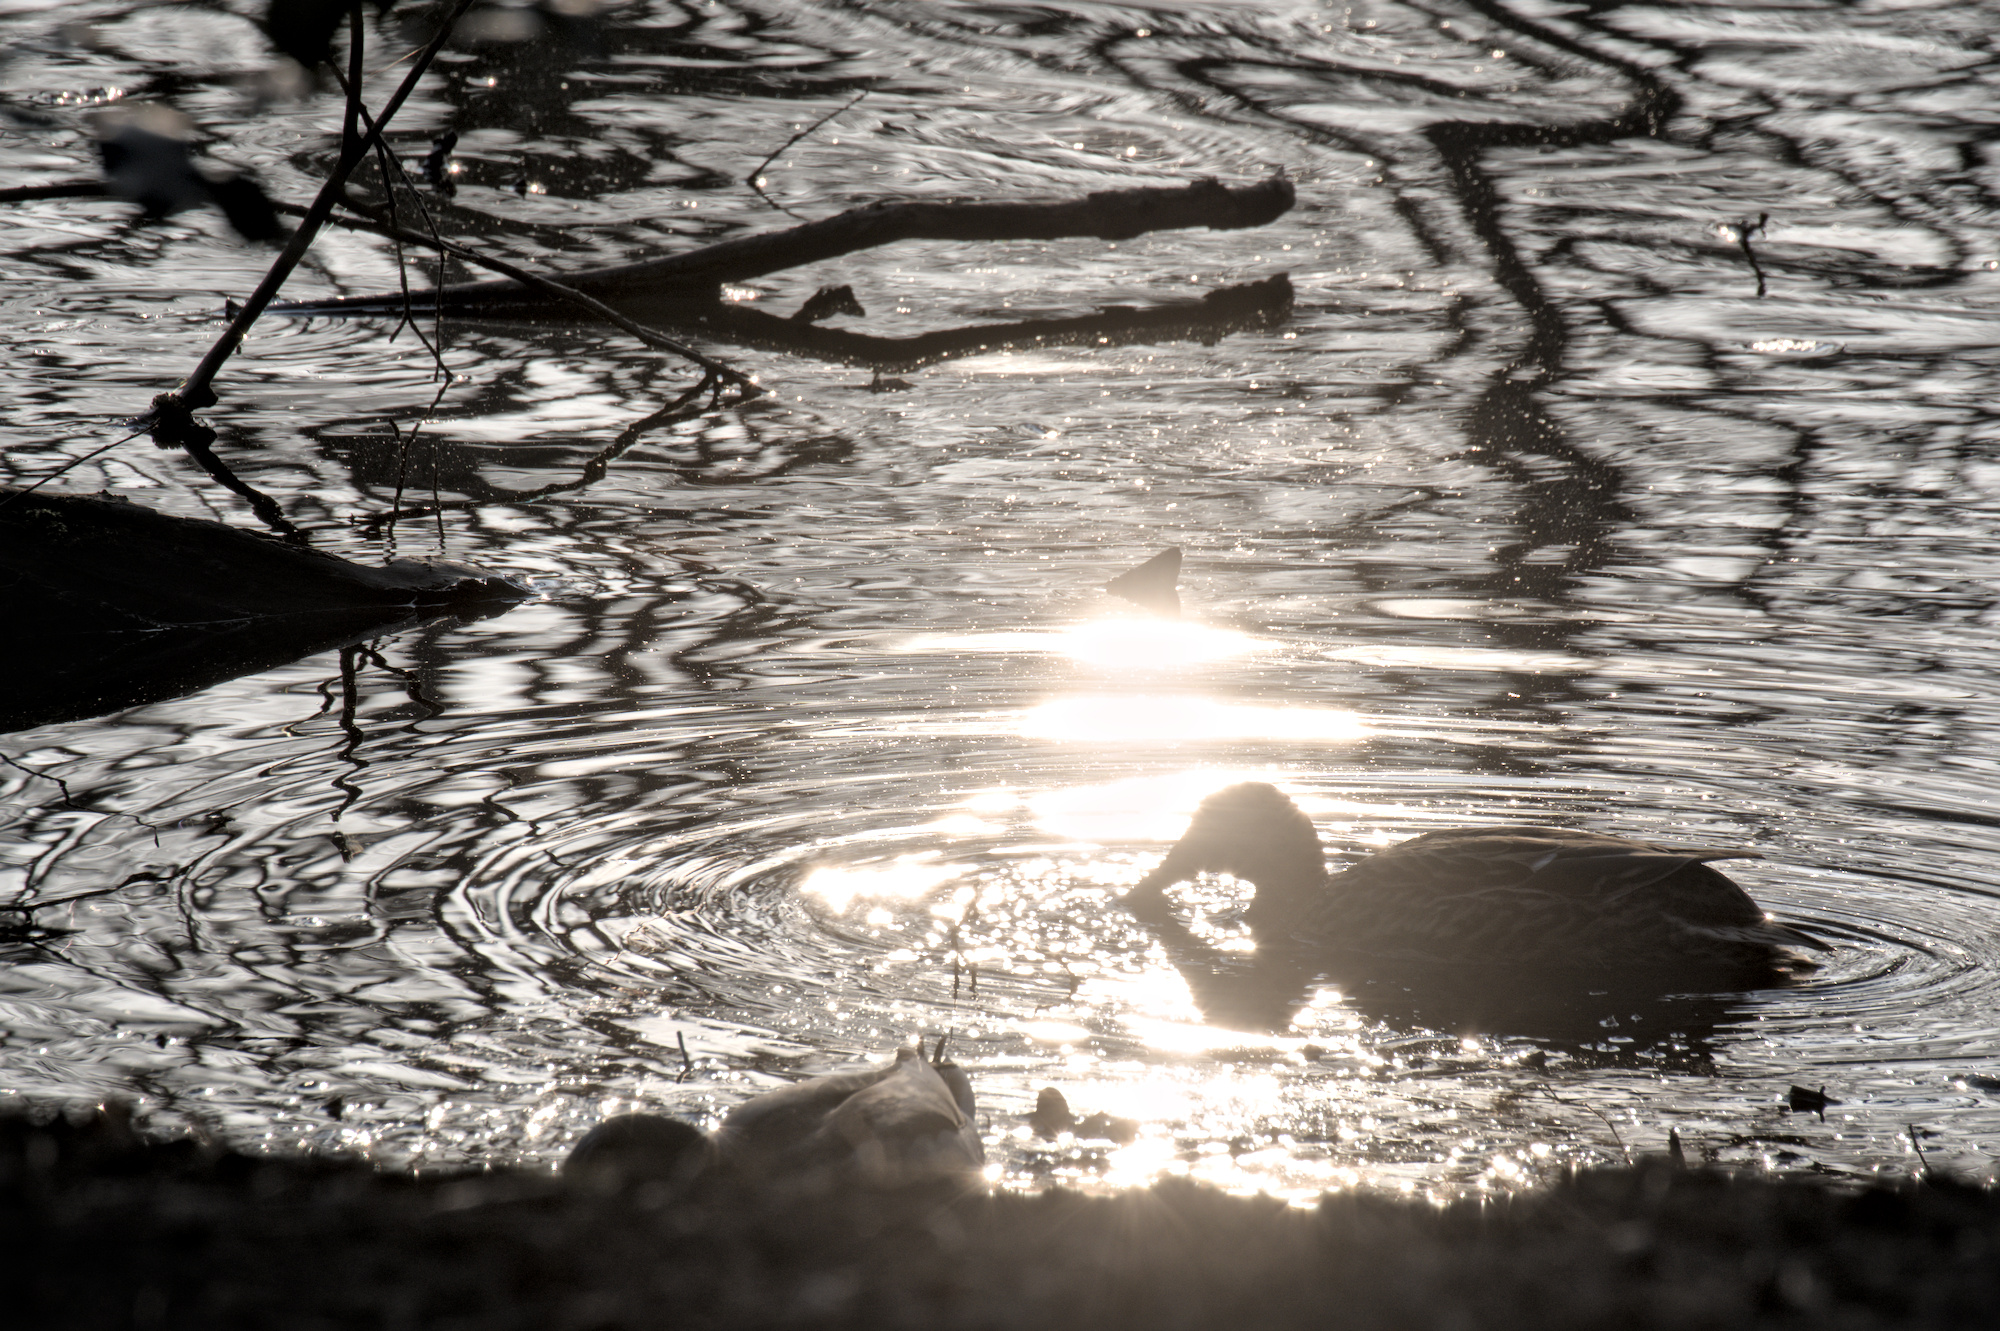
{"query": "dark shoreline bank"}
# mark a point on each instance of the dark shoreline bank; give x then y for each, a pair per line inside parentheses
(103, 1229)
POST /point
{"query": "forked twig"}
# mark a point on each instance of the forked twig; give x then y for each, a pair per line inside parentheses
(1612, 1127)
(1744, 230)
(367, 220)
(171, 412)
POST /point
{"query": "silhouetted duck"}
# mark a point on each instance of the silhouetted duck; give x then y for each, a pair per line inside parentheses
(1541, 899)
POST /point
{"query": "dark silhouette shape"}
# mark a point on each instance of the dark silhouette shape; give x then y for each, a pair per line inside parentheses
(1568, 936)
(1552, 898)
(635, 1149)
(1053, 1117)
(1802, 1100)
(1153, 585)
(114, 605)
(303, 29)
(827, 302)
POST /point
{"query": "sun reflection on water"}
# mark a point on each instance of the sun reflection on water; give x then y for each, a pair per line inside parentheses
(1116, 643)
(1152, 644)
(1154, 718)
(905, 878)
(1151, 808)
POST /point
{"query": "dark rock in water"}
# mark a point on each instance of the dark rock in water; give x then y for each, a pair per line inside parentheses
(907, 1122)
(637, 1149)
(110, 605)
(910, 1123)
(101, 1228)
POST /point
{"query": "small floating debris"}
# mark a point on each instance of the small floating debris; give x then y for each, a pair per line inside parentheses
(1803, 1101)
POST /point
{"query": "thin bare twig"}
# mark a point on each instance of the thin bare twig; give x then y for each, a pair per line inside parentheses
(1922, 1159)
(392, 171)
(63, 470)
(758, 174)
(1613, 1127)
(69, 801)
(1744, 230)
(652, 337)
(402, 468)
(593, 471)
(170, 410)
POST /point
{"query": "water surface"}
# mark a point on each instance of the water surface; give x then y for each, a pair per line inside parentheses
(820, 733)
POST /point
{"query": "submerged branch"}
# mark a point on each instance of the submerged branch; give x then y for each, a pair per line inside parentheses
(697, 275)
(1262, 304)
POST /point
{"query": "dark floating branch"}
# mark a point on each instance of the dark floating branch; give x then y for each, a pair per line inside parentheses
(1254, 305)
(699, 274)
(68, 189)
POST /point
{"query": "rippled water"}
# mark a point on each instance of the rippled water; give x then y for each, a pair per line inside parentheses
(820, 733)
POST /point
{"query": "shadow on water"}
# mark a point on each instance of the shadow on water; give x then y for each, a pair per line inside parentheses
(1596, 1022)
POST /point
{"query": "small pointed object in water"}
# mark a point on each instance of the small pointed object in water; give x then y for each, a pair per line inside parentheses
(1803, 1101)
(1154, 585)
(1564, 903)
(826, 303)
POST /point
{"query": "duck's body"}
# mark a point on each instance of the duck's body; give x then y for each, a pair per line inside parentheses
(1522, 898)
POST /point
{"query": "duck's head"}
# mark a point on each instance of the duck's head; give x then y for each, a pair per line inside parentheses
(1255, 833)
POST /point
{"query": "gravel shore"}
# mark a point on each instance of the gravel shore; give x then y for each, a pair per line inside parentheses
(103, 1229)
